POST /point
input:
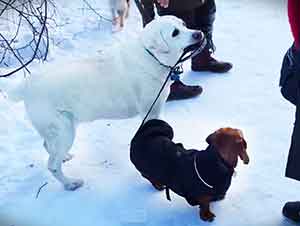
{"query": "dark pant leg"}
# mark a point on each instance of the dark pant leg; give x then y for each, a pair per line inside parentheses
(187, 16)
(201, 18)
(149, 13)
(293, 164)
(205, 16)
(204, 20)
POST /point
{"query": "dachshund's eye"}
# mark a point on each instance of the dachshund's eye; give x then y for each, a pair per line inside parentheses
(175, 32)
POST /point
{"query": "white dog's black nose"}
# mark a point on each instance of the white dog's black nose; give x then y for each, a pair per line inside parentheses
(197, 35)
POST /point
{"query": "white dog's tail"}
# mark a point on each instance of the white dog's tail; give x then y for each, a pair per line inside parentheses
(13, 88)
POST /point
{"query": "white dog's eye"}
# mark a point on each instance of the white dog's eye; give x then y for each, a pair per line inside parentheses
(175, 32)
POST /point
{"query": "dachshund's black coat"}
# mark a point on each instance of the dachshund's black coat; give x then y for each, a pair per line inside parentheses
(158, 158)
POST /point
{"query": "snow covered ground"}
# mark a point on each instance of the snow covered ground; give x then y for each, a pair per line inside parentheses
(254, 35)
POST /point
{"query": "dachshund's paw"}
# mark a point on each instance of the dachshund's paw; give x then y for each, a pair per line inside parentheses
(207, 216)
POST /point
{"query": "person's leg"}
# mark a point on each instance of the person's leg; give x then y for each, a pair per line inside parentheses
(290, 81)
(148, 14)
(204, 19)
(187, 16)
(291, 210)
(293, 166)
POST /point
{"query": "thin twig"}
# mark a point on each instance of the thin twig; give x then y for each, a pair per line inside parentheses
(14, 53)
(98, 14)
(36, 16)
(39, 191)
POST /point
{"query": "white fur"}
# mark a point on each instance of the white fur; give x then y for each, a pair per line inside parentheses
(120, 83)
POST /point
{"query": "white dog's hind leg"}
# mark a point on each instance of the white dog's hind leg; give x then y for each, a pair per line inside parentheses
(59, 140)
(67, 158)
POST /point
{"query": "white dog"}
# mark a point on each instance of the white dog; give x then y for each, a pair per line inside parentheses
(119, 11)
(120, 83)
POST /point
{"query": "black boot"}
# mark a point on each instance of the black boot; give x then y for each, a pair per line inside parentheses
(181, 91)
(204, 20)
(206, 62)
(148, 13)
(291, 210)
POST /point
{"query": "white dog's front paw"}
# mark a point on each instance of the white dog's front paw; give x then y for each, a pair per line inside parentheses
(74, 184)
(68, 157)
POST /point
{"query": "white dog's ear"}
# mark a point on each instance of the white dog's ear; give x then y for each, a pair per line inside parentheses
(157, 44)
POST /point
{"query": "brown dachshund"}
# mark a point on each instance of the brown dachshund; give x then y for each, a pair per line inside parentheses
(199, 176)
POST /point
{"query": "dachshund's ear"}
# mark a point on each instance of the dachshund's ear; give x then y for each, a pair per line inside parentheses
(217, 138)
(211, 139)
(244, 143)
(242, 150)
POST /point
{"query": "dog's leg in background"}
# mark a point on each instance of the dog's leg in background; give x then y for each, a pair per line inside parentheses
(121, 14)
(127, 8)
(112, 4)
(114, 17)
(58, 140)
(121, 7)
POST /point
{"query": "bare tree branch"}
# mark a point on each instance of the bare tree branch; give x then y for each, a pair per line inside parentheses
(98, 14)
(28, 15)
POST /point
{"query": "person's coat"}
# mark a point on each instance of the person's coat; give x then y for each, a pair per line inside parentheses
(290, 89)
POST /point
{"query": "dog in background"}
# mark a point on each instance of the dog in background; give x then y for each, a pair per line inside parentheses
(119, 11)
(199, 176)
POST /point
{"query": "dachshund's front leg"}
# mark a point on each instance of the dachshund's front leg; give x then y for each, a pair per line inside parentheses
(204, 212)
